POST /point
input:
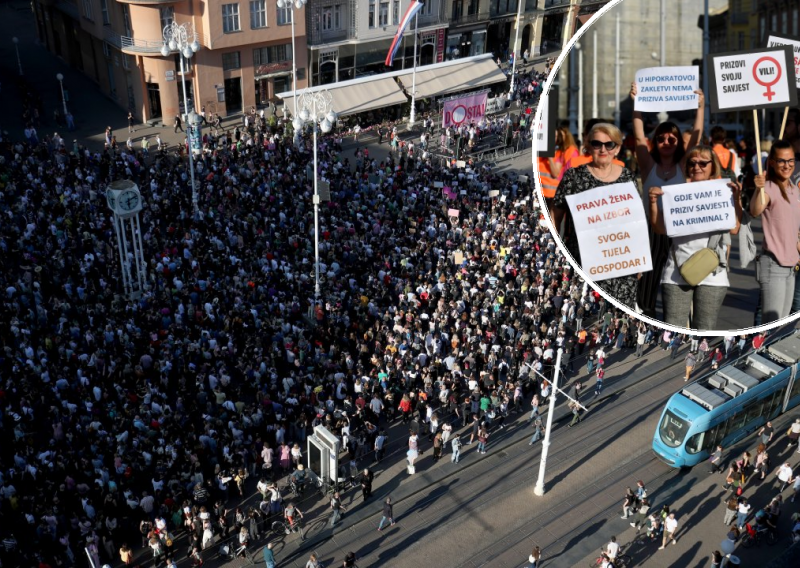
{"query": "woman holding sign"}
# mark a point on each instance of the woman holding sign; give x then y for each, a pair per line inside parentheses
(605, 142)
(701, 301)
(779, 206)
(661, 160)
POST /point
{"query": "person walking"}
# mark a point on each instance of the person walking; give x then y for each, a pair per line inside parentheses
(598, 382)
(670, 528)
(766, 433)
(576, 414)
(742, 512)
(313, 562)
(716, 461)
(535, 557)
(784, 475)
(483, 437)
(437, 446)
(731, 508)
(387, 512)
(538, 431)
(690, 361)
(269, 556)
(178, 123)
(641, 515)
(456, 445)
(131, 120)
(793, 434)
(380, 445)
(337, 508)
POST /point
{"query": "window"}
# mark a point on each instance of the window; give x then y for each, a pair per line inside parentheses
(167, 16)
(230, 18)
(284, 16)
(795, 28)
(673, 430)
(126, 61)
(258, 14)
(231, 60)
(396, 12)
(785, 23)
(272, 54)
(774, 25)
(426, 8)
(104, 12)
(87, 9)
(372, 13)
(383, 14)
(741, 40)
(126, 20)
(332, 17)
(106, 49)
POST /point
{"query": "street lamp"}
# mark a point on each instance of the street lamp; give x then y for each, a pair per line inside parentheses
(514, 47)
(298, 4)
(317, 108)
(15, 40)
(183, 39)
(60, 78)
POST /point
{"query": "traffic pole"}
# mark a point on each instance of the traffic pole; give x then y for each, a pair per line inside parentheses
(539, 489)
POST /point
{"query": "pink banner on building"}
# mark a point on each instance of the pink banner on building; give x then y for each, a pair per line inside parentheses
(466, 109)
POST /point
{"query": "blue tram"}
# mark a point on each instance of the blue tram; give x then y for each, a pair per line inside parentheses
(726, 405)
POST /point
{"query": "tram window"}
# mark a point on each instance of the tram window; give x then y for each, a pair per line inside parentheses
(753, 411)
(796, 387)
(712, 438)
(772, 404)
(695, 443)
(736, 421)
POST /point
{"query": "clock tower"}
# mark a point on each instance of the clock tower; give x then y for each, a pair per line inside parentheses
(125, 201)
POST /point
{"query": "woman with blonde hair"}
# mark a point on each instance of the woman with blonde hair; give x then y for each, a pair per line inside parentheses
(605, 142)
(695, 306)
(566, 150)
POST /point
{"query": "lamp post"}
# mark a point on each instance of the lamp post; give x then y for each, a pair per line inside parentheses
(297, 4)
(183, 39)
(60, 78)
(514, 47)
(15, 41)
(317, 108)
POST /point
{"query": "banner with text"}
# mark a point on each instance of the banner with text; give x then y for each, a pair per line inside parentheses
(775, 40)
(544, 141)
(471, 108)
(698, 207)
(753, 80)
(667, 89)
(612, 231)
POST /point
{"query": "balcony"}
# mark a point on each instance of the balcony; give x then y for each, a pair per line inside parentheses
(136, 46)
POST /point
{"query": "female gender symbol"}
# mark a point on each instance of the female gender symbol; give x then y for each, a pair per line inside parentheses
(770, 93)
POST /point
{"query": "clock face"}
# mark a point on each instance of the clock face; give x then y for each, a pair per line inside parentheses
(128, 200)
(111, 200)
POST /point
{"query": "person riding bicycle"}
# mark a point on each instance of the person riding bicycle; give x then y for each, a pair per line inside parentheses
(612, 549)
(764, 522)
(299, 478)
(292, 515)
(244, 540)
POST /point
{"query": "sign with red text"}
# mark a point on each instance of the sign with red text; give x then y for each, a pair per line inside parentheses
(667, 89)
(467, 109)
(544, 140)
(698, 207)
(776, 40)
(753, 80)
(612, 231)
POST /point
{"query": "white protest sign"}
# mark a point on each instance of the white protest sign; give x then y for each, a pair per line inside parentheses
(667, 89)
(544, 140)
(612, 231)
(753, 80)
(794, 43)
(698, 207)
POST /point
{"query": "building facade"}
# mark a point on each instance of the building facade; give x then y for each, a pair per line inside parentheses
(245, 56)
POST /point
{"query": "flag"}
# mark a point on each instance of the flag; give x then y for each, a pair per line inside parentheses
(412, 10)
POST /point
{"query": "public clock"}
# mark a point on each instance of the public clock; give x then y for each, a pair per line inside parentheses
(128, 200)
(111, 199)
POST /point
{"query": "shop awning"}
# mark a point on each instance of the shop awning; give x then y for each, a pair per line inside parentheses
(358, 95)
(455, 77)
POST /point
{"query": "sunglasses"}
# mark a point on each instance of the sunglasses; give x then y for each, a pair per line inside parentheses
(784, 162)
(667, 139)
(701, 163)
(596, 144)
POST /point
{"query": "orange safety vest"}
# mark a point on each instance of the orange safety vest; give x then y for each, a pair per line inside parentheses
(549, 183)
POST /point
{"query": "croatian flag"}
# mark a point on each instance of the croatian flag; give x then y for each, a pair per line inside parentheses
(413, 8)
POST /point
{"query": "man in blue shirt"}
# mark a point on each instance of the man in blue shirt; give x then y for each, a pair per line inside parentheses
(269, 558)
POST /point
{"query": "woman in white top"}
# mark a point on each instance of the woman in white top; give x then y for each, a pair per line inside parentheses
(661, 161)
(704, 300)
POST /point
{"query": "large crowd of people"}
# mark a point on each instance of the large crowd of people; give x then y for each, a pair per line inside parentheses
(128, 421)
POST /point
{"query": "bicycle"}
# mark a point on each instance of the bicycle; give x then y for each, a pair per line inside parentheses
(233, 550)
(620, 561)
(285, 528)
(754, 536)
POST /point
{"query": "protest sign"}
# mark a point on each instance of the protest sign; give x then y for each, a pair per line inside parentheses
(776, 40)
(667, 89)
(494, 192)
(753, 80)
(698, 207)
(461, 164)
(470, 108)
(612, 231)
(458, 257)
(448, 192)
(544, 144)
(453, 212)
(438, 184)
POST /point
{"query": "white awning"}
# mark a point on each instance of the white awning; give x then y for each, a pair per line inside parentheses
(354, 97)
(459, 77)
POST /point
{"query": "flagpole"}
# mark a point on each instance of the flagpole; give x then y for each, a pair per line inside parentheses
(413, 116)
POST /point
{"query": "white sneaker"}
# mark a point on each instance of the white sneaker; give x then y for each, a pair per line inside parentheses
(661, 548)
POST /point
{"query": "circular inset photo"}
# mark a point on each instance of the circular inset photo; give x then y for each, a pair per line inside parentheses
(669, 170)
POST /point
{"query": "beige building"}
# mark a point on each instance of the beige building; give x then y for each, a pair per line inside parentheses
(245, 54)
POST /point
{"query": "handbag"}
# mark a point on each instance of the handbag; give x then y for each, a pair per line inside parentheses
(702, 263)
(747, 243)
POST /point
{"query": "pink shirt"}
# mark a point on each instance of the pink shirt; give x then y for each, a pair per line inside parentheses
(781, 222)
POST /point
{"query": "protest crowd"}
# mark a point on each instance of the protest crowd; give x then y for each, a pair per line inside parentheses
(129, 424)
